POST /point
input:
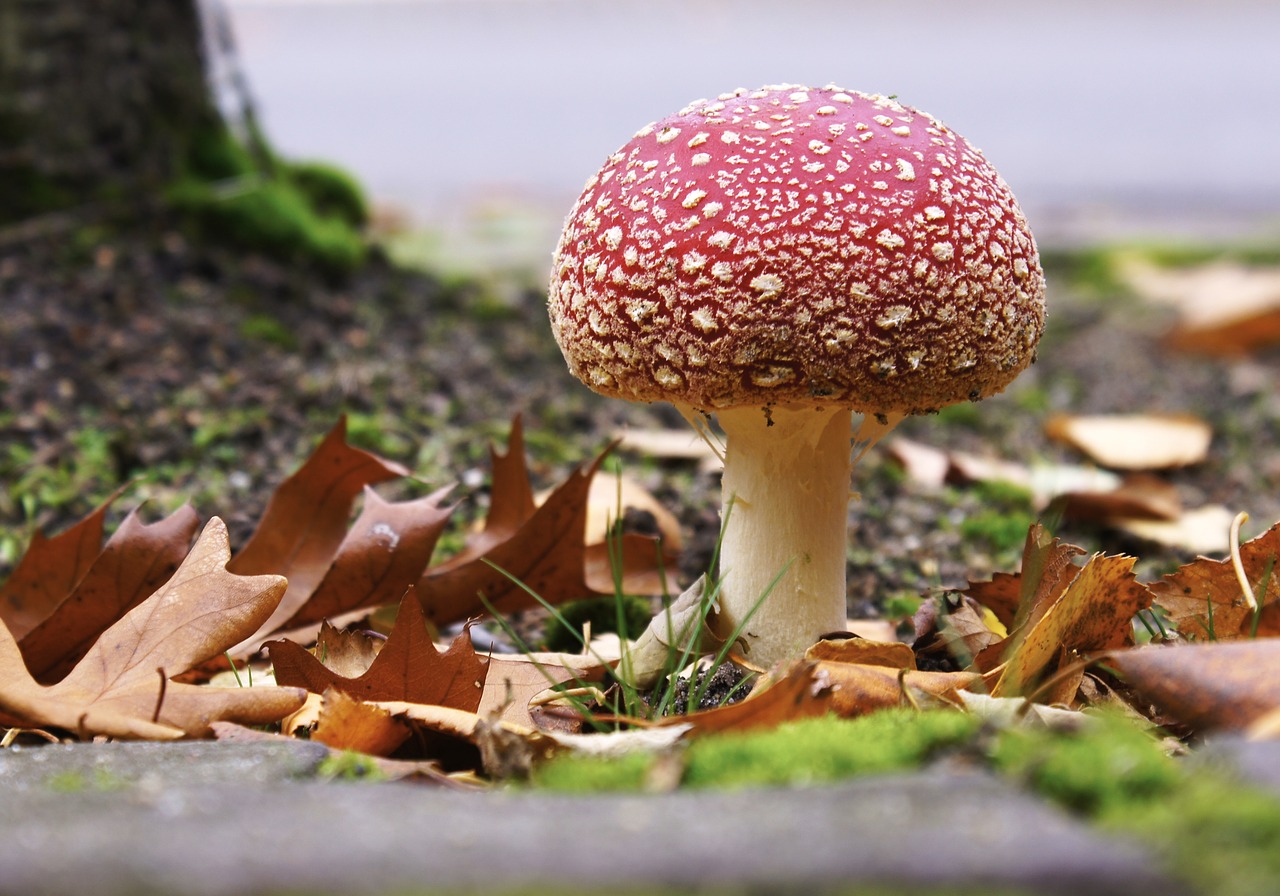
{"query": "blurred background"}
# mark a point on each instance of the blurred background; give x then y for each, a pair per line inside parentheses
(478, 120)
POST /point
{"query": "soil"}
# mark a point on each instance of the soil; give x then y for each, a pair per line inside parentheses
(183, 372)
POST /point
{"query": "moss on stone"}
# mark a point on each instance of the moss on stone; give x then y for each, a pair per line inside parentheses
(826, 749)
(1208, 829)
(1092, 771)
(810, 751)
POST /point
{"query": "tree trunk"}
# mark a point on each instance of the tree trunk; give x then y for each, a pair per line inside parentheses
(99, 99)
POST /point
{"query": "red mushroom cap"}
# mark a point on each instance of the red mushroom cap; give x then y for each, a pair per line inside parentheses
(802, 247)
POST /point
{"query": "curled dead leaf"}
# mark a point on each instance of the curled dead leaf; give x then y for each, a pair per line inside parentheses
(1226, 685)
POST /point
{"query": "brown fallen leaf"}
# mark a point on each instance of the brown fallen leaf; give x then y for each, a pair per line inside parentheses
(408, 668)
(346, 723)
(137, 560)
(860, 688)
(1204, 598)
(49, 571)
(1225, 308)
(122, 689)
(954, 629)
(1225, 685)
(306, 518)
(1139, 496)
(894, 655)
(544, 554)
(512, 681)
(1201, 530)
(347, 652)
(1134, 441)
(1093, 613)
(381, 556)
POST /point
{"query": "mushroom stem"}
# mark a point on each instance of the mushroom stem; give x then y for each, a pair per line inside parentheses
(787, 473)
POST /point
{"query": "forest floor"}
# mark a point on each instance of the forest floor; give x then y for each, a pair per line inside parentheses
(192, 374)
(135, 360)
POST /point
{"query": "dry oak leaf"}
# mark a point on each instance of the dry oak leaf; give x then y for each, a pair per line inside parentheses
(540, 547)
(121, 687)
(49, 571)
(382, 555)
(348, 652)
(306, 517)
(304, 535)
(1204, 596)
(407, 669)
(1223, 685)
(137, 560)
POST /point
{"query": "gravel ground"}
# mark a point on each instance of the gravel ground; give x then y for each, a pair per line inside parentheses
(195, 374)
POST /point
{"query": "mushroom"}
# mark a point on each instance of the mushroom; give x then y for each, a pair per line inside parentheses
(782, 258)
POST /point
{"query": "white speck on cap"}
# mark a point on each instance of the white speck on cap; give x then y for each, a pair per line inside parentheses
(729, 262)
(769, 286)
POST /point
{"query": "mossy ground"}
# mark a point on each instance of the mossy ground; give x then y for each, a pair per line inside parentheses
(298, 212)
(1211, 831)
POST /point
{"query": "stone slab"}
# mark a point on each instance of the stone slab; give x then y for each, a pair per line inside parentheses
(174, 819)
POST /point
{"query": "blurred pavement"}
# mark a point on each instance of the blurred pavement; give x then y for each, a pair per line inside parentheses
(1117, 118)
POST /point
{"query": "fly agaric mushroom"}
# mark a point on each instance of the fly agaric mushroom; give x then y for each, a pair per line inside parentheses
(782, 258)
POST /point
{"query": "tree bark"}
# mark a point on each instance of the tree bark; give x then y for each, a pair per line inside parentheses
(99, 99)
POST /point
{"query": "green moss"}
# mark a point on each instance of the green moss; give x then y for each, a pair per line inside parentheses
(627, 612)
(215, 154)
(589, 774)
(796, 753)
(1002, 523)
(265, 328)
(271, 216)
(331, 191)
(1092, 771)
(297, 212)
(1207, 829)
(826, 749)
(347, 765)
(1219, 836)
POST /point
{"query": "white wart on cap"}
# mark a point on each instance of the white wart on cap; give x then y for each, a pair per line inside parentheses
(802, 247)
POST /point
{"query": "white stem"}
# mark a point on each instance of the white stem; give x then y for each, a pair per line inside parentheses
(787, 474)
